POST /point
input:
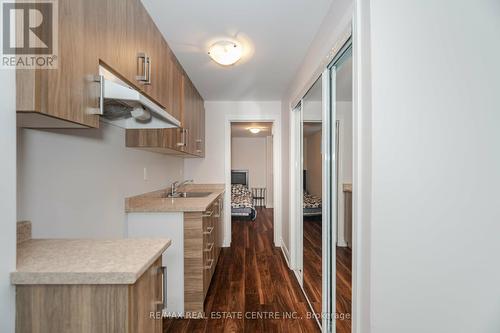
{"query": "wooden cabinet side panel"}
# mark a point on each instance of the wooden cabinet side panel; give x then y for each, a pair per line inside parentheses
(144, 295)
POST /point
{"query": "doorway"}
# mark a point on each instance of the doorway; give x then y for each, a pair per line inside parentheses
(251, 171)
(272, 197)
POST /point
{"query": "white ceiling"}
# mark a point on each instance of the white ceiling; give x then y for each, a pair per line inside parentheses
(240, 130)
(275, 34)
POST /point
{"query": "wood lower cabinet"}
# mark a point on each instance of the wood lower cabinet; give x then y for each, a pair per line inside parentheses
(92, 308)
(202, 247)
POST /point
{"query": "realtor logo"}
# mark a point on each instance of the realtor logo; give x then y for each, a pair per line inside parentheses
(29, 34)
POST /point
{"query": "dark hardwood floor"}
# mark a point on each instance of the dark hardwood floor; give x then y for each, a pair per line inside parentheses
(312, 261)
(312, 274)
(344, 289)
(251, 279)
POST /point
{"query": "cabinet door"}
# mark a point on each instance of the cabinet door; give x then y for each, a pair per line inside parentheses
(190, 115)
(143, 38)
(158, 140)
(65, 92)
(175, 87)
(114, 36)
(145, 296)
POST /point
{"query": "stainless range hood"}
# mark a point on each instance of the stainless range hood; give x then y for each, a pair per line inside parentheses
(124, 106)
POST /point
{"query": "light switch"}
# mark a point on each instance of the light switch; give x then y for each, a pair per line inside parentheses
(145, 174)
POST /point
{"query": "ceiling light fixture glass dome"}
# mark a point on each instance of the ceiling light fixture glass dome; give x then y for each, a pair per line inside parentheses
(225, 52)
(254, 130)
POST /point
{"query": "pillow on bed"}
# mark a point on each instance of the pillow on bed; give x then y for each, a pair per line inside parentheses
(239, 189)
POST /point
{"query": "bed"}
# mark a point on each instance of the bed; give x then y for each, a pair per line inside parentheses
(312, 203)
(241, 196)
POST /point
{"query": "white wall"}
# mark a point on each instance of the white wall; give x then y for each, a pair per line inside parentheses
(344, 115)
(435, 138)
(73, 182)
(250, 154)
(331, 30)
(7, 198)
(313, 164)
(312, 110)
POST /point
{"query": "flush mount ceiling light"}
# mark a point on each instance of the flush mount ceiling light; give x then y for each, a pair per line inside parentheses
(225, 52)
(254, 130)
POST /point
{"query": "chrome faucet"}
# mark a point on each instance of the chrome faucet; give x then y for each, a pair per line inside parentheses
(175, 186)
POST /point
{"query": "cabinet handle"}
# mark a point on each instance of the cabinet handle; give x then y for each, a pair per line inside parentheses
(211, 264)
(160, 305)
(221, 205)
(208, 214)
(209, 247)
(198, 146)
(186, 137)
(144, 76)
(183, 138)
(209, 231)
(100, 100)
(148, 73)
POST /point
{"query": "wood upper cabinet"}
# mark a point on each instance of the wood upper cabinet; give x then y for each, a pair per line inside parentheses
(194, 119)
(188, 141)
(118, 34)
(61, 97)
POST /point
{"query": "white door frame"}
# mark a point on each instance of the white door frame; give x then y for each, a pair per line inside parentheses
(276, 120)
(296, 201)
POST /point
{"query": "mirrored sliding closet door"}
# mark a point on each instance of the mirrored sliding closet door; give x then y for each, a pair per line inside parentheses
(312, 193)
(322, 139)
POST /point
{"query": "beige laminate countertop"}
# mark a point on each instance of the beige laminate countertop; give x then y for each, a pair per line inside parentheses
(85, 261)
(157, 202)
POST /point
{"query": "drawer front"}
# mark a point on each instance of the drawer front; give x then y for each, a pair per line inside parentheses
(209, 233)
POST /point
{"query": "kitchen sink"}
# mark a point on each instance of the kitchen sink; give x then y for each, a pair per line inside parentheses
(188, 195)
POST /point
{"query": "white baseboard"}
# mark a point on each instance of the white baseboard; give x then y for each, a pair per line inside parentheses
(285, 252)
(341, 243)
